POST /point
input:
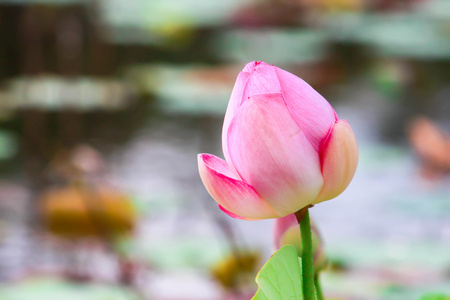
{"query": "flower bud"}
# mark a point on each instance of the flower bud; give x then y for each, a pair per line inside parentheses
(287, 232)
(284, 145)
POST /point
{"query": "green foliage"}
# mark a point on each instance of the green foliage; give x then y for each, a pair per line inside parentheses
(435, 296)
(281, 277)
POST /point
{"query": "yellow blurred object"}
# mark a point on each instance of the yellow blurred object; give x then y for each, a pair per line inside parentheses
(75, 211)
(233, 272)
(342, 5)
(171, 24)
(431, 144)
(178, 33)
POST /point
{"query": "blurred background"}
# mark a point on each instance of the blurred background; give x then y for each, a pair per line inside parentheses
(105, 104)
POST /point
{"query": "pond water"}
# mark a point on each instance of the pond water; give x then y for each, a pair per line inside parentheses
(391, 227)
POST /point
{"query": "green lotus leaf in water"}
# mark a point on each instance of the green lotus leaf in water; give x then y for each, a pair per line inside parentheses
(281, 277)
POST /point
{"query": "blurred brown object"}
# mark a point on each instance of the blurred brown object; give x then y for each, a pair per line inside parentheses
(236, 274)
(76, 211)
(290, 12)
(432, 146)
(393, 5)
(270, 13)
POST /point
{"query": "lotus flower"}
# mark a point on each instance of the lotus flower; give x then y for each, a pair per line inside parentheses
(287, 232)
(284, 145)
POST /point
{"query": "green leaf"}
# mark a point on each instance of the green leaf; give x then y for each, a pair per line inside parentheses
(281, 277)
(435, 296)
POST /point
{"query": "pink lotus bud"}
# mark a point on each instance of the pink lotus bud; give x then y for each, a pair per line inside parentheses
(287, 232)
(284, 147)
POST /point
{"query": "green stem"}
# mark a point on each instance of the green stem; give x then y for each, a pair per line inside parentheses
(318, 288)
(307, 254)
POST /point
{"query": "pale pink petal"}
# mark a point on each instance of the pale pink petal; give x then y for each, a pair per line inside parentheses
(255, 78)
(235, 216)
(313, 114)
(250, 66)
(273, 155)
(233, 106)
(233, 194)
(262, 79)
(281, 226)
(339, 161)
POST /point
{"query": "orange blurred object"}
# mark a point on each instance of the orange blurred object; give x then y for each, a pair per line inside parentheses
(432, 146)
(77, 211)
